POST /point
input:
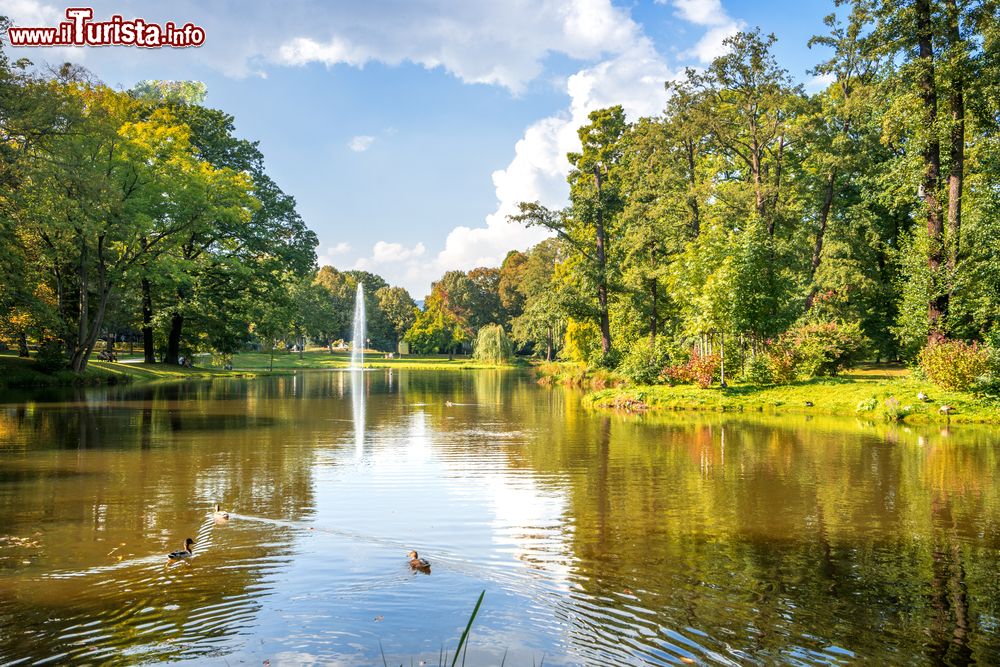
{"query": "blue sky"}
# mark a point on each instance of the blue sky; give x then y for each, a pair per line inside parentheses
(408, 129)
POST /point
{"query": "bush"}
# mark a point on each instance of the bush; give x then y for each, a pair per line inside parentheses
(866, 405)
(894, 411)
(825, 348)
(986, 385)
(953, 364)
(492, 345)
(676, 374)
(758, 370)
(703, 368)
(782, 361)
(644, 362)
(582, 342)
(50, 357)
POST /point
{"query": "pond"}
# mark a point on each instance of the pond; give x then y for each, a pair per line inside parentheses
(597, 538)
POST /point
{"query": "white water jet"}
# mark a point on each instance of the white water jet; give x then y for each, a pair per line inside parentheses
(358, 343)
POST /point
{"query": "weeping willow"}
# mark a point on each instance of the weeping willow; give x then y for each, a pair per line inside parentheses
(492, 345)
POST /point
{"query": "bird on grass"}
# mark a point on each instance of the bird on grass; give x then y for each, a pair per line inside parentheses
(922, 397)
(946, 409)
(219, 514)
(809, 404)
(182, 554)
(418, 563)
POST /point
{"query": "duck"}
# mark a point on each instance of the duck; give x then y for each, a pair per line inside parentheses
(418, 563)
(448, 403)
(181, 554)
(922, 397)
(809, 404)
(946, 409)
(219, 514)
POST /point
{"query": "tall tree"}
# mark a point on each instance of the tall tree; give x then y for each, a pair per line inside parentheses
(593, 217)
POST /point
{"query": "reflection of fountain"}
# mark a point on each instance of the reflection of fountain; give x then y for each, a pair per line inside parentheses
(358, 409)
(358, 342)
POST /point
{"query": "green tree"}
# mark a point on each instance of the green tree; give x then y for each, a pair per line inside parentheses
(399, 309)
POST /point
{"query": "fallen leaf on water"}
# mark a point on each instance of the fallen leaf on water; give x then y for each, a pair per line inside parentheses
(687, 661)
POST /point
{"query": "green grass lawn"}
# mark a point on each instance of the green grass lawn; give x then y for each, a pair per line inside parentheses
(869, 388)
(17, 372)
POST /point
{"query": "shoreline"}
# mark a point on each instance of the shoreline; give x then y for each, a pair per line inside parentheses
(871, 399)
(18, 373)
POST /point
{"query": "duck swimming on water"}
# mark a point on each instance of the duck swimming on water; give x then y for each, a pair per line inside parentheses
(181, 554)
(219, 514)
(418, 563)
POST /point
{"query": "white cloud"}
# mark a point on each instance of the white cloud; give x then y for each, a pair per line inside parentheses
(712, 15)
(386, 253)
(326, 254)
(361, 143)
(634, 78)
(820, 82)
(492, 43)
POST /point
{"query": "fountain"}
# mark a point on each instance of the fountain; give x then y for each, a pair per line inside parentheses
(358, 343)
(357, 366)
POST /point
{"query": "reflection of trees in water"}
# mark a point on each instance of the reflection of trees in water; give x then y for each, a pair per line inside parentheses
(144, 470)
(769, 537)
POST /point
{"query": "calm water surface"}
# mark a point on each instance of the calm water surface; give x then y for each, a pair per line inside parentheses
(598, 539)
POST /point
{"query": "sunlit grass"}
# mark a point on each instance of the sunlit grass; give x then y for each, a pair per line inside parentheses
(851, 395)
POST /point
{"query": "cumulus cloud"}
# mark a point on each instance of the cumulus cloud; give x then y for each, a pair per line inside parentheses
(492, 43)
(361, 143)
(712, 15)
(326, 255)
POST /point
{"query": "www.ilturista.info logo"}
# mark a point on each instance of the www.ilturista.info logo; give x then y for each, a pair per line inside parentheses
(79, 30)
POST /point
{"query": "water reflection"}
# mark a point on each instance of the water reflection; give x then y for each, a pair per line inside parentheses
(358, 407)
(600, 539)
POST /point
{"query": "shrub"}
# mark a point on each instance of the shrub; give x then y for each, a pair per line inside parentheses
(50, 357)
(825, 348)
(644, 362)
(703, 367)
(676, 374)
(866, 405)
(954, 364)
(758, 370)
(492, 345)
(894, 412)
(582, 341)
(781, 360)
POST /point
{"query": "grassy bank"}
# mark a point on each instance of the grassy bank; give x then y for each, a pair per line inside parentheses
(320, 358)
(872, 395)
(16, 372)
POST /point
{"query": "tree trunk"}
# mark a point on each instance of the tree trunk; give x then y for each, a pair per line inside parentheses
(174, 339)
(824, 217)
(148, 353)
(22, 344)
(652, 317)
(602, 285)
(937, 304)
(956, 101)
(692, 197)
